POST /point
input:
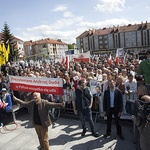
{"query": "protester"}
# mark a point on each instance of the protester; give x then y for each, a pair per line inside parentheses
(144, 69)
(98, 70)
(5, 104)
(82, 105)
(131, 88)
(39, 110)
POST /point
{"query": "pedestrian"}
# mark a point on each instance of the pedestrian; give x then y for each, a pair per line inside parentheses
(39, 110)
(113, 104)
(82, 105)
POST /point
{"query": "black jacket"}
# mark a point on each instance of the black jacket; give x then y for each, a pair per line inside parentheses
(118, 101)
(83, 98)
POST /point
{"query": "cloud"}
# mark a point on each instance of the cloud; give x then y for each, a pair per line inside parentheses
(68, 14)
(61, 29)
(64, 9)
(60, 8)
(66, 36)
(106, 23)
(110, 6)
(147, 7)
(59, 24)
(68, 29)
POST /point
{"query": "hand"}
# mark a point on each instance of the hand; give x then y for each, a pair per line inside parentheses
(73, 88)
(75, 111)
(105, 114)
(63, 104)
(148, 117)
(14, 98)
(119, 114)
(90, 106)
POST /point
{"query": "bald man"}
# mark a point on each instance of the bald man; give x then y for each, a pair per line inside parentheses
(39, 110)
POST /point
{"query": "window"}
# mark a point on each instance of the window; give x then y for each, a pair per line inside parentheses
(44, 46)
(106, 46)
(100, 37)
(105, 36)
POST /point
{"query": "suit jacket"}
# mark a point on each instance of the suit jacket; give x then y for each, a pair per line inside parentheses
(43, 108)
(118, 101)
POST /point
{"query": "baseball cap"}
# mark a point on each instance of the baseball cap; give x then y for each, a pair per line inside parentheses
(4, 90)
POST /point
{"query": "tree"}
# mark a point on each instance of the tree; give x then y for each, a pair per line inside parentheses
(8, 38)
(70, 46)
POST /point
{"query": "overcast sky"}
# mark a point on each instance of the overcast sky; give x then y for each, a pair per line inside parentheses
(67, 19)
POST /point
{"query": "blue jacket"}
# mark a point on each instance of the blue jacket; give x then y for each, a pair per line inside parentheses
(9, 101)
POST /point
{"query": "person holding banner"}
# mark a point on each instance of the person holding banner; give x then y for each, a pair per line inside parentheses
(39, 110)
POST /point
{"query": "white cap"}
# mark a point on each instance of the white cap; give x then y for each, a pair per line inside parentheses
(3, 90)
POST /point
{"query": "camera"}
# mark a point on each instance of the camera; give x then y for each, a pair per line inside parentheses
(142, 56)
(145, 107)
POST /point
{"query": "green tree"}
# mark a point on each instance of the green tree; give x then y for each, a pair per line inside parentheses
(8, 38)
(70, 46)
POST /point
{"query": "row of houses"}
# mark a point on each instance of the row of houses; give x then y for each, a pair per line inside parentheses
(40, 49)
(135, 38)
(44, 49)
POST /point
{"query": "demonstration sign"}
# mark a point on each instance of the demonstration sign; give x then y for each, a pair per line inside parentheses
(93, 84)
(41, 85)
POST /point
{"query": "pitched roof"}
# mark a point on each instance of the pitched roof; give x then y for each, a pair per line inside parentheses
(126, 28)
(103, 31)
(44, 41)
(84, 34)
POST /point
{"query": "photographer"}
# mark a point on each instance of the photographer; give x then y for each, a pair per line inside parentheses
(143, 122)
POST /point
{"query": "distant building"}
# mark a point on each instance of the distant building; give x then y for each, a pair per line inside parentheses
(18, 45)
(134, 38)
(44, 49)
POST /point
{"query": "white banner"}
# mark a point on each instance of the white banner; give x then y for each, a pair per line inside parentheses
(41, 85)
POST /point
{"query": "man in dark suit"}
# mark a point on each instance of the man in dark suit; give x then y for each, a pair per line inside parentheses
(113, 104)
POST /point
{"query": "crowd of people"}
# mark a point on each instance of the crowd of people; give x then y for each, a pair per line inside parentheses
(116, 84)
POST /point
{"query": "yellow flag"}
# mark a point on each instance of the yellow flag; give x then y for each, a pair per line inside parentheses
(1, 49)
(7, 56)
(4, 50)
(8, 49)
(2, 61)
(4, 54)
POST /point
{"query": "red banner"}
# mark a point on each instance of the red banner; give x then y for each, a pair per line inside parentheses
(81, 59)
(41, 85)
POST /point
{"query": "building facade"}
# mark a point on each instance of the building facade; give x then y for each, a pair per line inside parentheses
(16, 44)
(135, 38)
(44, 49)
